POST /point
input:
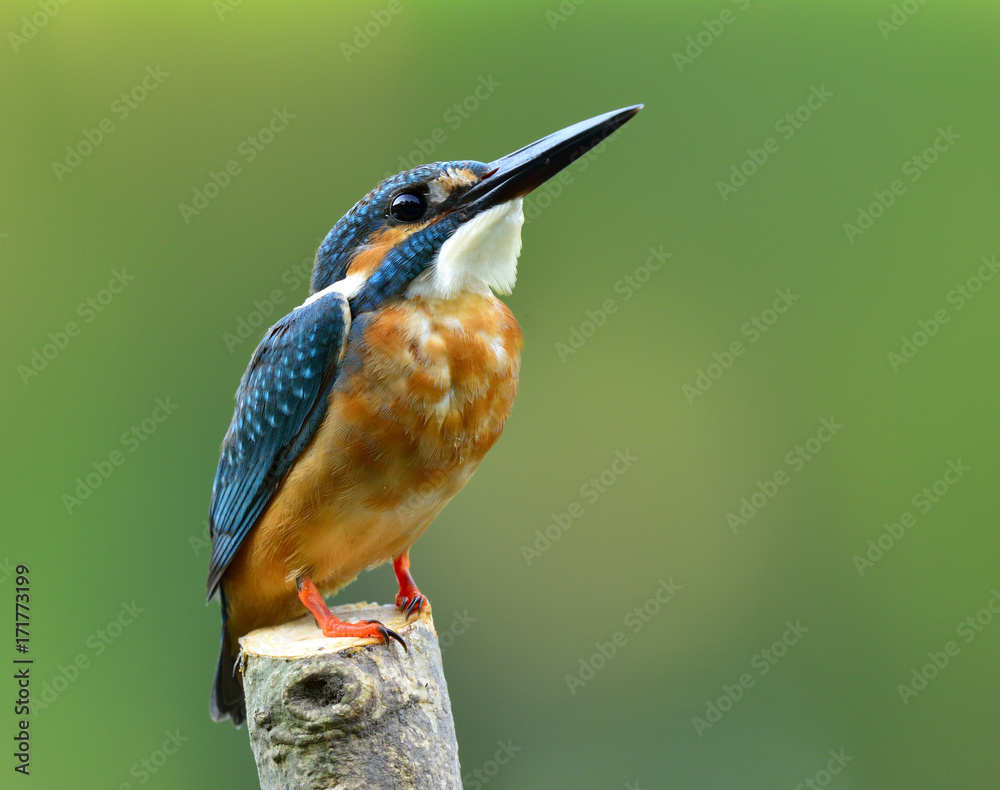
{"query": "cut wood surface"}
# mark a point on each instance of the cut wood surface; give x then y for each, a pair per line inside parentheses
(350, 713)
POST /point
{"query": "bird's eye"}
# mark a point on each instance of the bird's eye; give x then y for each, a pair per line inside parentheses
(408, 207)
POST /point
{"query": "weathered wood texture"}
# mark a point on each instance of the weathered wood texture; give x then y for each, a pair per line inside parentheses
(350, 713)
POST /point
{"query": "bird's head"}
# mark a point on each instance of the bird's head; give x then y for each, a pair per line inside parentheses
(449, 227)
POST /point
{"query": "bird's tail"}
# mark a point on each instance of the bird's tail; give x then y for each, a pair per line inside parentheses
(228, 701)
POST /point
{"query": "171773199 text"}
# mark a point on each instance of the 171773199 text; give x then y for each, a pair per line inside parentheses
(22, 670)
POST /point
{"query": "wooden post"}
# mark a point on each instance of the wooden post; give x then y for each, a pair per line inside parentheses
(350, 713)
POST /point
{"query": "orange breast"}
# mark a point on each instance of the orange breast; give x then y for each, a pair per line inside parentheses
(427, 388)
(422, 394)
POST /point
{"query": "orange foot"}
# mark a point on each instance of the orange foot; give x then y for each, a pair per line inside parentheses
(331, 625)
(409, 598)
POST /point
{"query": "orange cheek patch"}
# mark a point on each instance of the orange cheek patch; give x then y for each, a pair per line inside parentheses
(378, 246)
(375, 250)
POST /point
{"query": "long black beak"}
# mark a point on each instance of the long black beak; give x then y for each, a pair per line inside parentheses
(516, 174)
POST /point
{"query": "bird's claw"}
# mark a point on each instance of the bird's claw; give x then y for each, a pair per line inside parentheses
(388, 633)
(411, 605)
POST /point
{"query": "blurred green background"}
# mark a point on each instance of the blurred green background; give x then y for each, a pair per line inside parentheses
(117, 578)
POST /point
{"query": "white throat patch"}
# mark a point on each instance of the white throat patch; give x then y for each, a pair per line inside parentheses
(480, 257)
(349, 286)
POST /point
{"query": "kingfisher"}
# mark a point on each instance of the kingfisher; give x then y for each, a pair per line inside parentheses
(369, 406)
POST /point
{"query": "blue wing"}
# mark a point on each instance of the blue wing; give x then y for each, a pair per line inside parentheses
(279, 406)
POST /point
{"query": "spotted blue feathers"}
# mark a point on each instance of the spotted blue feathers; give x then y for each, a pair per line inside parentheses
(279, 406)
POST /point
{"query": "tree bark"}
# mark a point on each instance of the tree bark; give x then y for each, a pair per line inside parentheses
(350, 713)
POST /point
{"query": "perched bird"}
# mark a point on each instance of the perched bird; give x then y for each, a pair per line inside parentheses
(368, 407)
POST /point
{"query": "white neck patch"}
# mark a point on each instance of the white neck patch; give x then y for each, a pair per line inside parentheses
(349, 286)
(480, 257)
